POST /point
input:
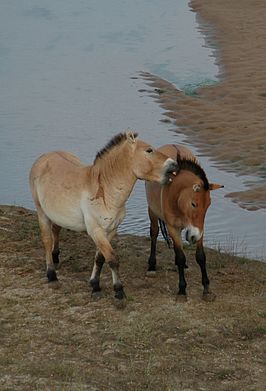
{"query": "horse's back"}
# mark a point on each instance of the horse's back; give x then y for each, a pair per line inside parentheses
(176, 152)
(58, 158)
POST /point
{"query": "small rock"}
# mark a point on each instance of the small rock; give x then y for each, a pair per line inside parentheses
(170, 341)
(109, 352)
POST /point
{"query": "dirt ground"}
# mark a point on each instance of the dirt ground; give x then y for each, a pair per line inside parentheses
(62, 339)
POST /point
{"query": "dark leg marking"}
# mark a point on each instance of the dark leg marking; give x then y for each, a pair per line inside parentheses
(118, 287)
(201, 260)
(95, 282)
(55, 255)
(180, 261)
(154, 231)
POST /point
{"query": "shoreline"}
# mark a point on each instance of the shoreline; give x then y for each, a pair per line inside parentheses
(226, 121)
(16, 212)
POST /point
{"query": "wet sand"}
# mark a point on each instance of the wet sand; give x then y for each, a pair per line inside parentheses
(227, 121)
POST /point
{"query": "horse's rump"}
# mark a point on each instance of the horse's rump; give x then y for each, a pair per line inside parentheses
(177, 152)
(56, 181)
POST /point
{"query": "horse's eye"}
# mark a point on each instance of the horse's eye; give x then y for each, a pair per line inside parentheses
(149, 150)
(193, 205)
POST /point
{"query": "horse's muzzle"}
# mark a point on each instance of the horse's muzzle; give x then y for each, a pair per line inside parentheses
(193, 234)
(170, 168)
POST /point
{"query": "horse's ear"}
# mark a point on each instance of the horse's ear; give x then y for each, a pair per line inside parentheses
(215, 186)
(131, 136)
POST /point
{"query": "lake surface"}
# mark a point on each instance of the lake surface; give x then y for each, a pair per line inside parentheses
(68, 81)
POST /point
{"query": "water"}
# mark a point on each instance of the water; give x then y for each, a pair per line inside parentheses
(67, 77)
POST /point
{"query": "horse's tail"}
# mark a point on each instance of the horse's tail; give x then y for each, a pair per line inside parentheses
(165, 232)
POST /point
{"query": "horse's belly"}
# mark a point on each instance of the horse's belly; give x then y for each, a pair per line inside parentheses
(66, 216)
(68, 221)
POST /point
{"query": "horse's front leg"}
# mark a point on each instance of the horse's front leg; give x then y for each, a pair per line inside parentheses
(103, 244)
(154, 231)
(180, 259)
(201, 260)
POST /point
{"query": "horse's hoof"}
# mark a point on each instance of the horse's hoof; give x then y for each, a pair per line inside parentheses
(120, 294)
(208, 296)
(95, 284)
(120, 297)
(151, 273)
(51, 275)
(181, 298)
(182, 291)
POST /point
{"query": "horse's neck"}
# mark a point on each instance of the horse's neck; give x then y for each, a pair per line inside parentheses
(170, 207)
(115, 178)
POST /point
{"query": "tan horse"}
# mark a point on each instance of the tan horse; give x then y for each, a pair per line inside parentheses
(182, 204)
(92, 198)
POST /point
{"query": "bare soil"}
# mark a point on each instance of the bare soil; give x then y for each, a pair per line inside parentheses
(59, 338)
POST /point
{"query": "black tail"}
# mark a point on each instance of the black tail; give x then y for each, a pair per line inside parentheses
(165, 233)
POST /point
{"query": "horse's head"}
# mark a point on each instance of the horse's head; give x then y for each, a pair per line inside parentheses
(150, 164)
(193, 200)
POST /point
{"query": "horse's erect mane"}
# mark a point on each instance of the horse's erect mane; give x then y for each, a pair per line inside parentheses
(195, 168)
(116, 140)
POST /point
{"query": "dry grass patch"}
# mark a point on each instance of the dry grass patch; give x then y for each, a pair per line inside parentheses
(60, 339)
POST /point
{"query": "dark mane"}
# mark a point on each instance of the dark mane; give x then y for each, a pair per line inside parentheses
(116, 140)
(195, 168)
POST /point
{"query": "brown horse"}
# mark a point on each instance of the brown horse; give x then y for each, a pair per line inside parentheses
(92, 198)
(181, 204)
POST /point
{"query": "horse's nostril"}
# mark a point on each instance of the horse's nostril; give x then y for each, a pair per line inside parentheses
(190, 238)
(187, 236)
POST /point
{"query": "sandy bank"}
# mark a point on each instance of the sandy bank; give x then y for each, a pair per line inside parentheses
(227, 121)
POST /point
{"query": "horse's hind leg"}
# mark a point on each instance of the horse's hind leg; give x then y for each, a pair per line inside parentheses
(48, 241)
(56, 251)
(96, 272)
(201, 260)
(154, 231)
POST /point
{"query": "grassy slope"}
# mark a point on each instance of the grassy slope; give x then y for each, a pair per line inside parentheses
(60, 339)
